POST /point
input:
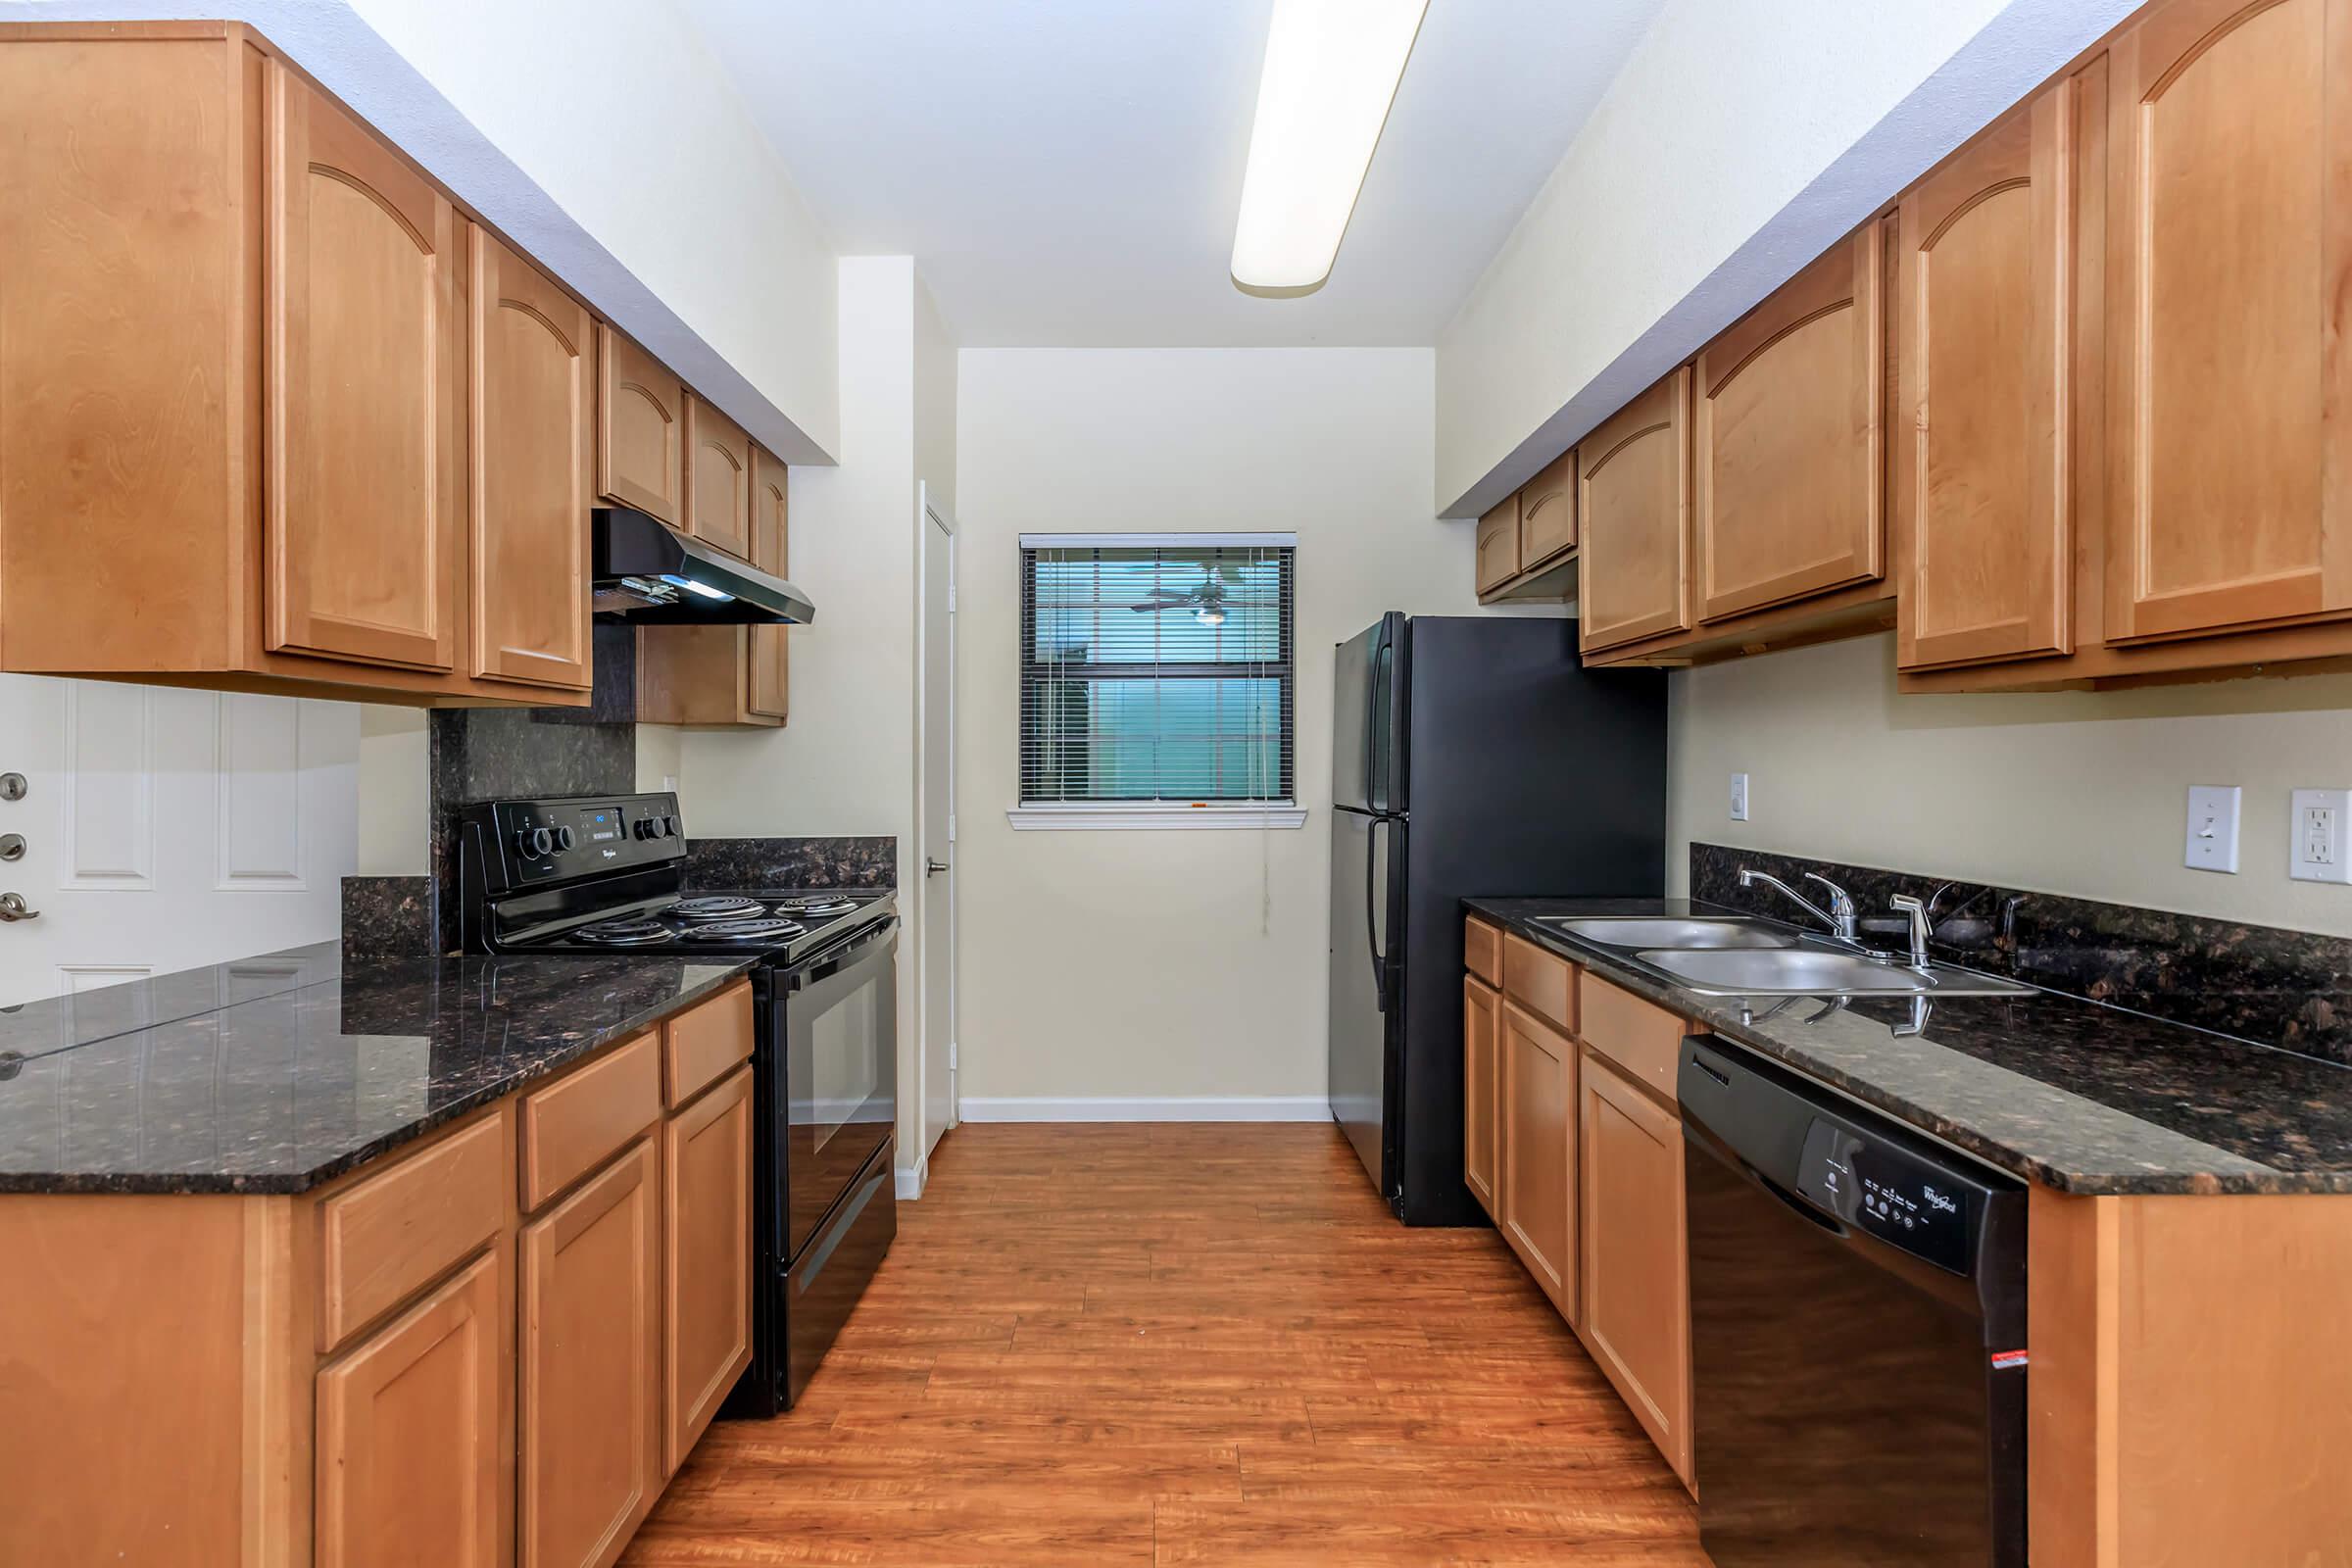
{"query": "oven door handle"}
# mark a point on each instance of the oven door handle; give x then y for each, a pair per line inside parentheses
(830, 963)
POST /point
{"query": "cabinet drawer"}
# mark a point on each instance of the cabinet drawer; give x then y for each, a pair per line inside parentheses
(1541, 982)
(1640, 1037)
(571, 1127)
(705, 1041)
(1482, 950)
(388, 1237)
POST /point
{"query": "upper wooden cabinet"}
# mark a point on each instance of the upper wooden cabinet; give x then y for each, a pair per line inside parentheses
(363, 441)
(1499, 545)
(718, 479)
(640, 429)
(770, 651)
(1985, 346)
(1787, 440)
(1633, 482)
(234, 390)
(2230, 239)
(1547, 513)
(531, 404)
(715, 675)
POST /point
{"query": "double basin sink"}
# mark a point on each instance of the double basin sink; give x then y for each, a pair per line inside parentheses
(1733, 956)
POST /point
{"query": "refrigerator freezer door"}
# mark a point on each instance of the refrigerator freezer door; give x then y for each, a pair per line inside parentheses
(1367, 756)
(1366, 854)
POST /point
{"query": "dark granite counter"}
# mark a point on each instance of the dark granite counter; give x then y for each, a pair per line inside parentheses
(2082, 1096)
(276, 1073)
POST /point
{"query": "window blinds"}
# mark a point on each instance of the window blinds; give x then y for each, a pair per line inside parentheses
(1156, 671)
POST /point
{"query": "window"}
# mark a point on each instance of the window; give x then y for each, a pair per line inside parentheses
(1157, 672)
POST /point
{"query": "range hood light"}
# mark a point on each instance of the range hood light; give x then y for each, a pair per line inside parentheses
(645, 570)
(1331, 72)
(692, 587)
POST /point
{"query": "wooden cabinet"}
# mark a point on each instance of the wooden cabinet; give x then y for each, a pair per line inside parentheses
(2230, 214)
(235, 399)
(1547, 513)
(1636, 1296)
(707, 1259)
(640, 429)
(1499, 545)
(362, 443)
(1634, 483)
(1787, 440)
(718, 479)
(1538, 1152)
(531, 403)
(1984, 356)
(589, 1336)
(738, 675)
(409, 1467)
(1481, 1030)
(770, 651)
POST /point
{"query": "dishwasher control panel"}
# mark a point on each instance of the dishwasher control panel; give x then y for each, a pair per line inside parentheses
(1901, 1201)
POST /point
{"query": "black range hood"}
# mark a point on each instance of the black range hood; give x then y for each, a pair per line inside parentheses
(649, 572)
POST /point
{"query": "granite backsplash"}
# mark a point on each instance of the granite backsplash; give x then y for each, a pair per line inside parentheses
(2275, 987)
(749, 864)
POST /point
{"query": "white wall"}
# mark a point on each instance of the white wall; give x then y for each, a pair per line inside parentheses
(395, 779)
(1172, 965)
(1738, 141)
(2060, 791)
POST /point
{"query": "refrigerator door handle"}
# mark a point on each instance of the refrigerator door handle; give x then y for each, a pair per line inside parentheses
(1372, 909)
(1376, 762)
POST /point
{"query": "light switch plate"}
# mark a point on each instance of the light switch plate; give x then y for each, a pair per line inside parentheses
(1739, 797)
(2315, 822)
(2211, 828)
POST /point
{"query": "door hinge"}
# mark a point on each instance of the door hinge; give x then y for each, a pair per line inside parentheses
(951, 827)
(951, 1056)
(951, 599)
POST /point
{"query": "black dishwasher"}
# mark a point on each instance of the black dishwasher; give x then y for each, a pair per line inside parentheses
(1857, 1330)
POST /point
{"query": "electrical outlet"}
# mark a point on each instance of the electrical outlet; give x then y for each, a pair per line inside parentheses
(1739, 797)
(2316, 824)
(2211, 828)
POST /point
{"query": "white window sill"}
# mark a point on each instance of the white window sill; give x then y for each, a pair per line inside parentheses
(1107, 818)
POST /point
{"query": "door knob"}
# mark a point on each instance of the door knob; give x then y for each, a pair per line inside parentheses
(11, 909)
(934, 867)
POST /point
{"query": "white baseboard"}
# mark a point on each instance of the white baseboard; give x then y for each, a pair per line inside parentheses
(1183, 1107)
(912, 1182)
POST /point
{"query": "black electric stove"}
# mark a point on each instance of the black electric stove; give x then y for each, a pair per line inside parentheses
(607, 874)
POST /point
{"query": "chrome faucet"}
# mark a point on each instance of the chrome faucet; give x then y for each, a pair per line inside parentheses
(1838, 916)
(1918, 913)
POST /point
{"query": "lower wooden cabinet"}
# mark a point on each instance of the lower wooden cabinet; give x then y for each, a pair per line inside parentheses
(1637, 1296)
(707, 1259)
(1538, 1152)
(1482, 1028)
(588, 1351)
(409, 1423)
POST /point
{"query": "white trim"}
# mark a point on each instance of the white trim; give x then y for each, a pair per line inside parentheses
(1107, 818)
(912, 1182)
(1174, 1107)
(1159, 541)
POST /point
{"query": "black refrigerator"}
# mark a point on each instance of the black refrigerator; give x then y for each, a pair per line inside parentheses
(1471, 755)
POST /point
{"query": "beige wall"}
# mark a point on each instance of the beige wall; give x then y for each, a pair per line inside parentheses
(2076, 793)
(1153, 966)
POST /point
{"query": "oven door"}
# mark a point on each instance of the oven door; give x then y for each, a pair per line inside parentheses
(840, 1069)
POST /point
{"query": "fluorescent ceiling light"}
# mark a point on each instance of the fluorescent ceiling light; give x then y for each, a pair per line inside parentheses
(1332, 68)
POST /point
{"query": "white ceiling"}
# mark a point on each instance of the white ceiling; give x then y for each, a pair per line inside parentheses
(1066, 171)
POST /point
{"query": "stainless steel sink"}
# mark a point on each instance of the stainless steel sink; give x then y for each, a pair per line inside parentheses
(1670, 931)
(1815, 972)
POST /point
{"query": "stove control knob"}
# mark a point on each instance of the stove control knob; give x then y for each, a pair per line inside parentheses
(645, 827)
(666, 827)
(566, 838)
(543, 842)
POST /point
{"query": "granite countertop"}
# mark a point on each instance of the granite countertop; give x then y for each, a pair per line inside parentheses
(276, 1073)
(2080, 1096)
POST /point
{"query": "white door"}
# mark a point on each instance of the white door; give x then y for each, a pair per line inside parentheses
(936, 899)
(159, 829)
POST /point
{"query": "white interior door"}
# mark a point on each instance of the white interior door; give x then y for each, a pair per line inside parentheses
(936, 902)
(160, 829)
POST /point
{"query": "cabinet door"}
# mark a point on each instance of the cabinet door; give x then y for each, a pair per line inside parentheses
(2229, 209)
(1538, 1152)
(1481, 1024)
(407, 1438)
(588, 1338)
(365, 385)
(1498, 544)
(530, 447)
(1981, 463)
(770, 654)
(718, 479)
(707, 1259)
(1547, 513)
(1787, 443)
(1636, 1291)
(1633, 485)
(640, 429)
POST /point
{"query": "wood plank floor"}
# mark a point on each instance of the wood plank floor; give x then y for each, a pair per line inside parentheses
(1182, 1345)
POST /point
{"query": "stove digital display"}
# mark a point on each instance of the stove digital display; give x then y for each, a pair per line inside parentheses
(601, 824)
